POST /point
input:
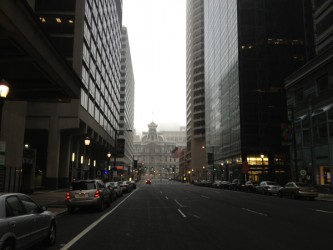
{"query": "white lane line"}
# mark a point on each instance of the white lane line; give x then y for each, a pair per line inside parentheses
(166, 197)
(323, 211)
(194, 215)
(161, 192)
(178, 203)
(181, 213)
(255, 212)
(91, 226)
(204, 196)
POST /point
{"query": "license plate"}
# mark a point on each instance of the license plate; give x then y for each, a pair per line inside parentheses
(81, 195)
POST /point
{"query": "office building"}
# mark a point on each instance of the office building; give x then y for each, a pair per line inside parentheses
(310, 104)
(84, 38)
(195, 87)
(249, 50)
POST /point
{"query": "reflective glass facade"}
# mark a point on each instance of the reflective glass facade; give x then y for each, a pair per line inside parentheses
(249, 50)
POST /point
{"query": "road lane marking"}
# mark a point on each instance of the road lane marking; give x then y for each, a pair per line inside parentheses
(194, 215)
(255, 212)
(166, 197)
(178, 203)
(91, 226)
(323, 211)
(181, 213)
(204, 196)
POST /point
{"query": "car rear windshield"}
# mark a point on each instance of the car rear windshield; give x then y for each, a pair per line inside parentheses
(83, 185)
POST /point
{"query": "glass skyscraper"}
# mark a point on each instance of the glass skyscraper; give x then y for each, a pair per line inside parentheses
(250, 46)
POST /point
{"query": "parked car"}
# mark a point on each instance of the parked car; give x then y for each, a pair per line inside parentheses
(217, 184)
(236, 184)
(23, 223)
(115, 186)
(112, 190)
(126, 185)
(249, 186)
(87, 193)
(148, 181)
(268, 187)
(133, 184)
(297, 190)
(225, 185)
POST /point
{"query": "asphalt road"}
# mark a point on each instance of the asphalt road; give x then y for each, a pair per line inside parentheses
(172, 215)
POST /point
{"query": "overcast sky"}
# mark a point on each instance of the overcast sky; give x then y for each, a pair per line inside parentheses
(157, 37)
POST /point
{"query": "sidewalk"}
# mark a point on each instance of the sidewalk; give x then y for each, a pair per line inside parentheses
(54, 200)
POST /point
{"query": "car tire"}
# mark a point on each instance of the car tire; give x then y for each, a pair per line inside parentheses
(70, 210)
(51, 235)
(9, 245)
(293, 196)
(101, 205)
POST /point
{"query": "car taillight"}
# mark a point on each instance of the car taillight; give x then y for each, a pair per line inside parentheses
(97, 194)
(68, 196)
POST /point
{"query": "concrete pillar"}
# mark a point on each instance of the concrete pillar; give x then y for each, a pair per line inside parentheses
(53, 150)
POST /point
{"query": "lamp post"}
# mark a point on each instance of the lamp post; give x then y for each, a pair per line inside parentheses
(109, 167)
(115, 146)
(262, 164)
(86, 161)
(4, 90)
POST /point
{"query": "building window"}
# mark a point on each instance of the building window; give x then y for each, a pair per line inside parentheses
(322, 84)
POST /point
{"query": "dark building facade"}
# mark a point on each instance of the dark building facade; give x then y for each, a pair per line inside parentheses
(250, 47)
(309, 98)
(74, 50)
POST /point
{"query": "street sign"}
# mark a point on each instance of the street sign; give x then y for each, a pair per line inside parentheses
(245, 167)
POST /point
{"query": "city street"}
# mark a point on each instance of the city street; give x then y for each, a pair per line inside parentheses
(173, 215)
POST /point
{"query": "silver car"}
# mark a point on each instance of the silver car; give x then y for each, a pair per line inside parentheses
(23, 223)
(87, 193)
(268, 187)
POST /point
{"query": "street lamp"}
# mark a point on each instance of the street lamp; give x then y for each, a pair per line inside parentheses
(115, 146)
(4, 90)
(110, 169)
(262, 164)
(86, 161)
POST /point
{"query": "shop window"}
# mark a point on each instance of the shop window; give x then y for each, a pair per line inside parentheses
(325, 175)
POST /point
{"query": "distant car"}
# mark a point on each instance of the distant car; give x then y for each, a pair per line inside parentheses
(133, 184)
(236, 184)
(249, 186)
(115, 186)
(225, 185)
(126, 185)
(268, 187)
(87, 193)
(148, 181)
(112, 190)
(297, 190)
(217, 184)
(23, 223)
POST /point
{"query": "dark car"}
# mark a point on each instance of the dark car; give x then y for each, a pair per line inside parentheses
(236, 184)
(23, 223)
(148, 181)
(297, 190)
(249, 186)
(133, 184)
(225, 185)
